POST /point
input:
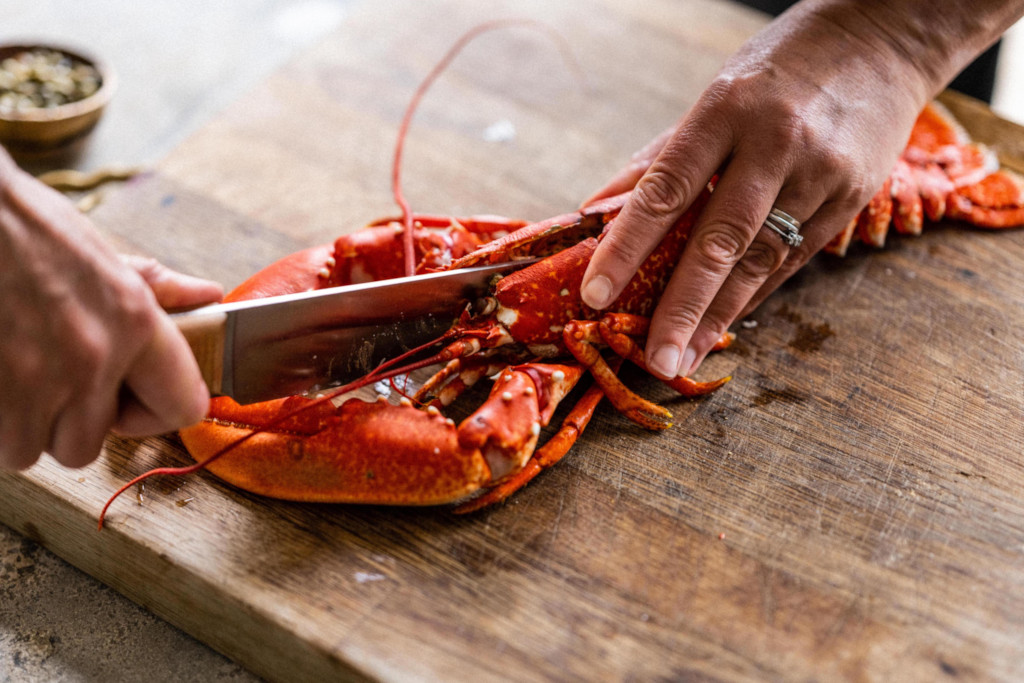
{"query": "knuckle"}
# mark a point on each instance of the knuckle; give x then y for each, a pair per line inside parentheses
(720, 244)
(625, 248)
(134, 295)
(92, 349)
(850, 183)
(834, 159)
(794, 133)
(24, 367)
(138, 314)
(143, 265)
(720, 91)
(734, 95)
(856, 193)
(761, 259)
(662, 192)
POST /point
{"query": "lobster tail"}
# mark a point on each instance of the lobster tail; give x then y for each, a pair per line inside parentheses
(940, 174)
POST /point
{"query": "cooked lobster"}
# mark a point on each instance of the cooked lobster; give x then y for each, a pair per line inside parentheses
(533, 335)
(941, 174)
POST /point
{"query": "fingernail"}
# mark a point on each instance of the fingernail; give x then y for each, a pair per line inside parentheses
(665, 361)
(598, 292)
(689, 356)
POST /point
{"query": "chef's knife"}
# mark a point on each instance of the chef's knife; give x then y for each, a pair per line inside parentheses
(262, 349)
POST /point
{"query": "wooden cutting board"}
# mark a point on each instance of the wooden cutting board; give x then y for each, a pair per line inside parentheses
(850, 505)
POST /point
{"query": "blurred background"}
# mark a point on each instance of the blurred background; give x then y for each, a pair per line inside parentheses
(178, 63)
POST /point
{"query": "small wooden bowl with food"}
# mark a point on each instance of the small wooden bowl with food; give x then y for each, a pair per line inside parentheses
(50, 96)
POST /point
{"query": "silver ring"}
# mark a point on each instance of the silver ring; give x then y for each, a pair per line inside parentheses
(787, 227)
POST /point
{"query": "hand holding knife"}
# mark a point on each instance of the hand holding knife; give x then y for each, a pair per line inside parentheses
(261, 349)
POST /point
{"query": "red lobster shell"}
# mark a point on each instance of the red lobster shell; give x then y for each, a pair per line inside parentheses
(381, 453)
(534, 335)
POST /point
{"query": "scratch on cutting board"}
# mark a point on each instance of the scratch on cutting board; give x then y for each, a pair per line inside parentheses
(857, 280)
(618, 484)
(883, 490)
(892, 461)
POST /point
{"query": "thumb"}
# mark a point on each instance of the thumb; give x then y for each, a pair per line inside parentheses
(163, 389)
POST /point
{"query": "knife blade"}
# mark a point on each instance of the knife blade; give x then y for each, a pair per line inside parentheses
(261, 349)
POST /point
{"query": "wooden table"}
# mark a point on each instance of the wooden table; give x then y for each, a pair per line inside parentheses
(849, 506)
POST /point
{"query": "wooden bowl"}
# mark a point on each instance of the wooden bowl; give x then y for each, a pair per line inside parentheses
(45, 129)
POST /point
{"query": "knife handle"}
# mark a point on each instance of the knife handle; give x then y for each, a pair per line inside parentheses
(205, 334)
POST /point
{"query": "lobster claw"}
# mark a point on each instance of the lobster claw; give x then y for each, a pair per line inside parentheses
(359, 452)
(506, 427)
(380, 453)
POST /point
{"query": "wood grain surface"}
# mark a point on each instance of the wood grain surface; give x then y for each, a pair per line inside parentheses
(849, 506)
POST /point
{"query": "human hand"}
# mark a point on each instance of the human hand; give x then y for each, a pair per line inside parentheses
(85, 345)
(808, 117)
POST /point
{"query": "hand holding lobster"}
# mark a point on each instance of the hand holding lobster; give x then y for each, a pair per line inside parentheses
(85, 345)
(809, 118)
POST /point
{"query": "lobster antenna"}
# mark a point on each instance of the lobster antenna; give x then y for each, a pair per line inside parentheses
(446, 60)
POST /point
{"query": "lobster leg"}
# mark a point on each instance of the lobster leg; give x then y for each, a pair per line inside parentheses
(873, 221)
(618, 331)
(995, 202)
(581, 338)
(841, 242)
(614, 329)
(439, 386)
(907, 208)
(453, 380)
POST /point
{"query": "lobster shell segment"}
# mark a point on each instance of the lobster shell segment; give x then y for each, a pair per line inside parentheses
(940, 174)
(997, 201)
(535, 303)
